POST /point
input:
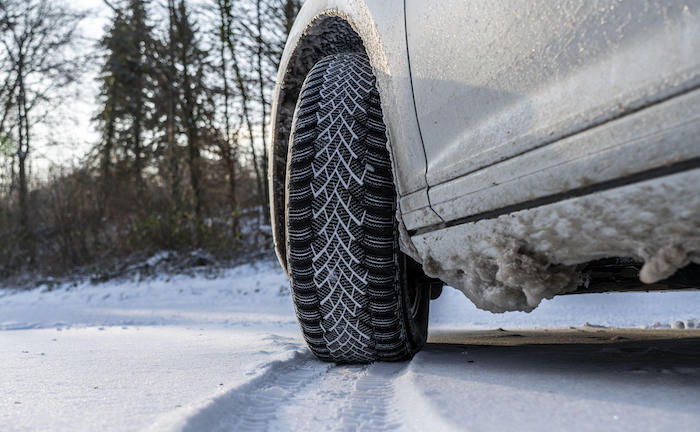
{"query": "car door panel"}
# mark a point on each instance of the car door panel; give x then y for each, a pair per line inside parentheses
(494, 80)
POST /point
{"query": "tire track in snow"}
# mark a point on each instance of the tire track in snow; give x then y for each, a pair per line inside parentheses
(254, 405)
(303, 393)
(370, 407)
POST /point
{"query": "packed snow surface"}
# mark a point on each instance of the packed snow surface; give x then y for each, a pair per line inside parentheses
(224, 353)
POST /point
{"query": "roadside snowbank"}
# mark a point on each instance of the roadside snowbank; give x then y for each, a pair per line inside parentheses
(258, 291)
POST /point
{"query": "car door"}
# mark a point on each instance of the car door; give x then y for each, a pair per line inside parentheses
(493, 80)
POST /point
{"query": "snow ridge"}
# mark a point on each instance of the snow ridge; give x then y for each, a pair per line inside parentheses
(300, 391)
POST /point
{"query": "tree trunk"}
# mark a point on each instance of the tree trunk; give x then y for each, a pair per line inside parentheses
(137, 128)
(228, 150)
(173, 156)
(107, 154)
(229, 159)
(22, 153)
(191, 124)
(246, 116)
(138, 113)
(226, 17)
(263, 105)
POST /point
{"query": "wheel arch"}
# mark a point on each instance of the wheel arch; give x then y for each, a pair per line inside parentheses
(326, 27)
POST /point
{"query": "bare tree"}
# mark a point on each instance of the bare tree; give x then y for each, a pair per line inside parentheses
(8, 98)
(38, 42)
(255, 32)
(262, 81)
(229, 145)
(192, 68)
(229, 35)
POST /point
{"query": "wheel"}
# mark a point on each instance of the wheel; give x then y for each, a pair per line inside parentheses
(357, 297)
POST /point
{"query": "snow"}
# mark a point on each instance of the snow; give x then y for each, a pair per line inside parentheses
(640, 310)
(223, 352)
(514, 261)
(253, 293)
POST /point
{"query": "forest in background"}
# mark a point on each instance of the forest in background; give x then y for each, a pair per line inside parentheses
(182, 114)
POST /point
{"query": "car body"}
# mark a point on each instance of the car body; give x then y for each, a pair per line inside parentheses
(538, 149)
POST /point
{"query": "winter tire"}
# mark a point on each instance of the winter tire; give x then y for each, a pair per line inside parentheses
(357, 297)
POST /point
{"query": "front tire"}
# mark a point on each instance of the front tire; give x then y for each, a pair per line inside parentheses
(357, 297)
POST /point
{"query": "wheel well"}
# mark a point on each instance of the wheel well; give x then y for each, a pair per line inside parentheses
(326, 35)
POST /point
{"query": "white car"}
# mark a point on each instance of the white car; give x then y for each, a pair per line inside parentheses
(514, 150)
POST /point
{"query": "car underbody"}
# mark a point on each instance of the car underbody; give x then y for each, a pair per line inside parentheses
(513, 261)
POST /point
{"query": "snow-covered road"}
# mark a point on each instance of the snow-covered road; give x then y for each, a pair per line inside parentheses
(225, 354)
